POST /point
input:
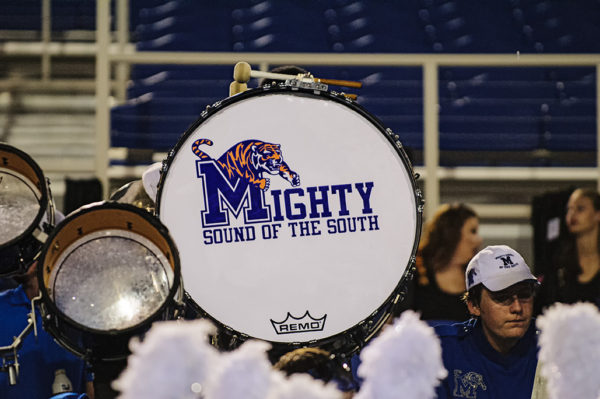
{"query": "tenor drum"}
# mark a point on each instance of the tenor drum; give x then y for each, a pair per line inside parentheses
(296, 215)
(107, 272)
(26, 210)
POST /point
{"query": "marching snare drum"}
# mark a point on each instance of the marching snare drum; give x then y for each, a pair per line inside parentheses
(26, 210)
(106, 273)
(296, 215)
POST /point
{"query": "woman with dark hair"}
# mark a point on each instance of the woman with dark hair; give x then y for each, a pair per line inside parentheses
(449, 241)
(575, 275)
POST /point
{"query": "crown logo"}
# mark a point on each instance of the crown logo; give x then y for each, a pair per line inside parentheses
(294, 325)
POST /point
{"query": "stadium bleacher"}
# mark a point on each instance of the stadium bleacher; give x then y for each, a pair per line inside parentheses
(483, 109)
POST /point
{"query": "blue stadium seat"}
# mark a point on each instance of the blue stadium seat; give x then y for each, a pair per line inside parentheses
(481, 108)
(25, 15)
(197, 41)
(392, 89)
(396, 106)
(179, 72)
(484, 107)
(571, 134)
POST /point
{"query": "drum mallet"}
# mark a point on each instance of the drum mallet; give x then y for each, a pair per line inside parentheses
(242, 72)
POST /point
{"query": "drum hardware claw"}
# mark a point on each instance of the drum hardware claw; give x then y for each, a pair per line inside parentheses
(317, 87)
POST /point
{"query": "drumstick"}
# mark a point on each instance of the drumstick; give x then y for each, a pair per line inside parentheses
(336, 82)
(242, 72)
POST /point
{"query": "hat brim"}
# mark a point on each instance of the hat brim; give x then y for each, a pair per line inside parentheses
(500, 283)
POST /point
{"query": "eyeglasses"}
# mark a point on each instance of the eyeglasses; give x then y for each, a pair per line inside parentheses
(506, 297)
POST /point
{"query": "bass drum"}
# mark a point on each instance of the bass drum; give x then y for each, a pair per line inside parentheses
(107, 272)
(26, 210)
(296, 215)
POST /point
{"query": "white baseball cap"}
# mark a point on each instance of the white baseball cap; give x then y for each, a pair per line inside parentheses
(497, 267)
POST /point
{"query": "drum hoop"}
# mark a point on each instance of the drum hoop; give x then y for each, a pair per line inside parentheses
(43, 200)
(393, 139)
(161, 228)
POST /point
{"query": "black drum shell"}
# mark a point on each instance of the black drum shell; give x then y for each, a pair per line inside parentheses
(105, 345)
(17, 254)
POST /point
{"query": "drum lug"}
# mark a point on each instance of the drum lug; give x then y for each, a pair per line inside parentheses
(394, 137)
(413, 261)
(420, 200)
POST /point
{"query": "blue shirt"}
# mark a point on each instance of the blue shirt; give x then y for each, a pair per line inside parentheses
(38, 358)
(476, 370)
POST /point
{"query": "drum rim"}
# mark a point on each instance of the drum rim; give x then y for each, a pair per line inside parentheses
(43, 201)
(155, 222)
(400, 288)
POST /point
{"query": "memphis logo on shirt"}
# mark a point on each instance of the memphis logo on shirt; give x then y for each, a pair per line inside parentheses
(239, 206)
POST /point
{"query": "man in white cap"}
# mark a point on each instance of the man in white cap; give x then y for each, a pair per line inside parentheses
(493, 355)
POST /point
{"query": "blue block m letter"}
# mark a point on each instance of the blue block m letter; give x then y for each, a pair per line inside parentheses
(222, 196)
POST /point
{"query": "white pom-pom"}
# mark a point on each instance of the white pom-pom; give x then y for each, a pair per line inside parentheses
(570, 350)
(173, 362)
(405, 360)
(303, 386)
(243, 373)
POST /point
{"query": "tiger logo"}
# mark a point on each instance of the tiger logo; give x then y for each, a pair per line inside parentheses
(467, 384)
(248, 160)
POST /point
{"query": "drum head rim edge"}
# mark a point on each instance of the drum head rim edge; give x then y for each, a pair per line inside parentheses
(177, 280)
(45, 199)
(340, 99)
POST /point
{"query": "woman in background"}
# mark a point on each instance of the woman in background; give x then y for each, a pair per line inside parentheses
(575, 274)
(451, 238)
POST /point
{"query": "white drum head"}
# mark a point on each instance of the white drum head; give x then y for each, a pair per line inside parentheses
(111, 280)
(316, 249)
